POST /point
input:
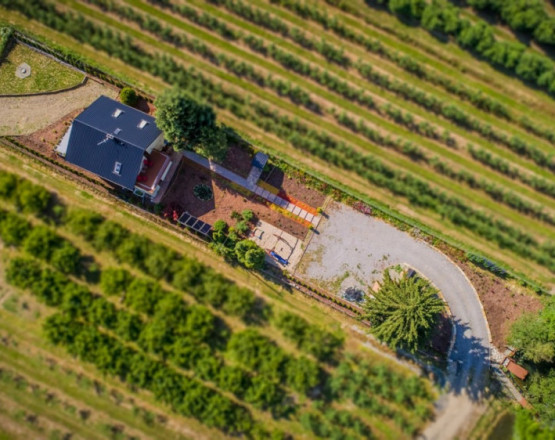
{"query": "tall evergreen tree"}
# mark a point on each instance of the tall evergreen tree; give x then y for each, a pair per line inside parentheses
(404, 311)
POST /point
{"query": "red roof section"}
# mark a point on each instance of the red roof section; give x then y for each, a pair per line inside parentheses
(517, 370)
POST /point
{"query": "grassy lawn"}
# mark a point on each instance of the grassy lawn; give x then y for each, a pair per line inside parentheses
(46, 74)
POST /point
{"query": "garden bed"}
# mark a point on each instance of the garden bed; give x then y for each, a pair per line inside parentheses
(293, 186)
(238, 159)
(226, 199)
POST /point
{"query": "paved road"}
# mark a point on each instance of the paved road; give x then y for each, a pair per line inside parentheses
(354, 249)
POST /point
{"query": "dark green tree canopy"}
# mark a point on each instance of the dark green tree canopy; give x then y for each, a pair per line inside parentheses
(404, 311)
(189, 125)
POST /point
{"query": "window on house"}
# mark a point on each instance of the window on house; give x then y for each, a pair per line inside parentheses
(117, 130)
(117, 112)
(142, 124)
(117, 168)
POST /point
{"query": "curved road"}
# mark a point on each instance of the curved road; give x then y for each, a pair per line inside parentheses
(352, 247)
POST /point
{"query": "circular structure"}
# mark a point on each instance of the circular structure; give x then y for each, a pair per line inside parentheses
(23, 70)
(203, 192)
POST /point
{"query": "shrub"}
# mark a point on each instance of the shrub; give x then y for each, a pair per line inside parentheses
(114, 281)
(250, 255)
(239, 301)
(23, 272)
(8, 184)
(32, 198)
(14, 229)
(109, 235)
(41, 242)
(143, 295)
(84, 223)
(128, 96)
(247, 215)
(302, 374)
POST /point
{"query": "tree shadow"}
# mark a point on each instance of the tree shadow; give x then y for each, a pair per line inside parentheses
(468, 363)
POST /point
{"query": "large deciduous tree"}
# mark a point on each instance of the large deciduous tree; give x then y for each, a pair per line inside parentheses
(404, 311)
(189, 125)
(534, 334)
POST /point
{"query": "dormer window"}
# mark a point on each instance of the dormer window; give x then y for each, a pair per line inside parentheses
(117, 168)
(142, 124)
(117, 112)
(117, 131)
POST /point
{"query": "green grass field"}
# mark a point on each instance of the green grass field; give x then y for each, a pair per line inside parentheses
(46, 74)
(234, 49)
(30, 365)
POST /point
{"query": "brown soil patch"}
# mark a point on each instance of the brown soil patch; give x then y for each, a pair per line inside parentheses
(238, 160)
(145, 106)
(504, 302)
(294, 186)
(441, 336)
(226, 200)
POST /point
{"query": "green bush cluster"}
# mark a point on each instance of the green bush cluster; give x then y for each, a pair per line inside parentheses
(128, 96)
(258, 353)
(478, 37)
(227, 242)
(185, 335)
(159, 262)
(5, 38)
(529, 17)
(40, 241)
(26, 196)
(335, 424)
(312, 339)
(367, 384)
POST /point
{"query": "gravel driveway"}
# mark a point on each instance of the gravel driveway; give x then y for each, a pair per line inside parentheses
(26, 114)
(352, 249)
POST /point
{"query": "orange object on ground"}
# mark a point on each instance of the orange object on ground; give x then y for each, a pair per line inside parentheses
(298, 203)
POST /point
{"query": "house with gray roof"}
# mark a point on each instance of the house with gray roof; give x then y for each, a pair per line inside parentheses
(118, 143)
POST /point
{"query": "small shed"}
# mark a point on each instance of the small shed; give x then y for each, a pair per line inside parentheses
(515, 369)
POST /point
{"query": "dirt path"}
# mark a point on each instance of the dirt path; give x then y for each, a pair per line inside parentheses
(26, 114)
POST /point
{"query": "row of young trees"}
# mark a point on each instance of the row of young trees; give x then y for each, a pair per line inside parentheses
(442, 17)
(447, 110)
(85, 324)
(300, 136)
(188, 336)
(5, 37)
(529, 17)
(177, 335)
(505, 167)
(194, 45)
(407, 63)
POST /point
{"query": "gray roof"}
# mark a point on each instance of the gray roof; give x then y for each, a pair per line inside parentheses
(96, 144)
(100, 115)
